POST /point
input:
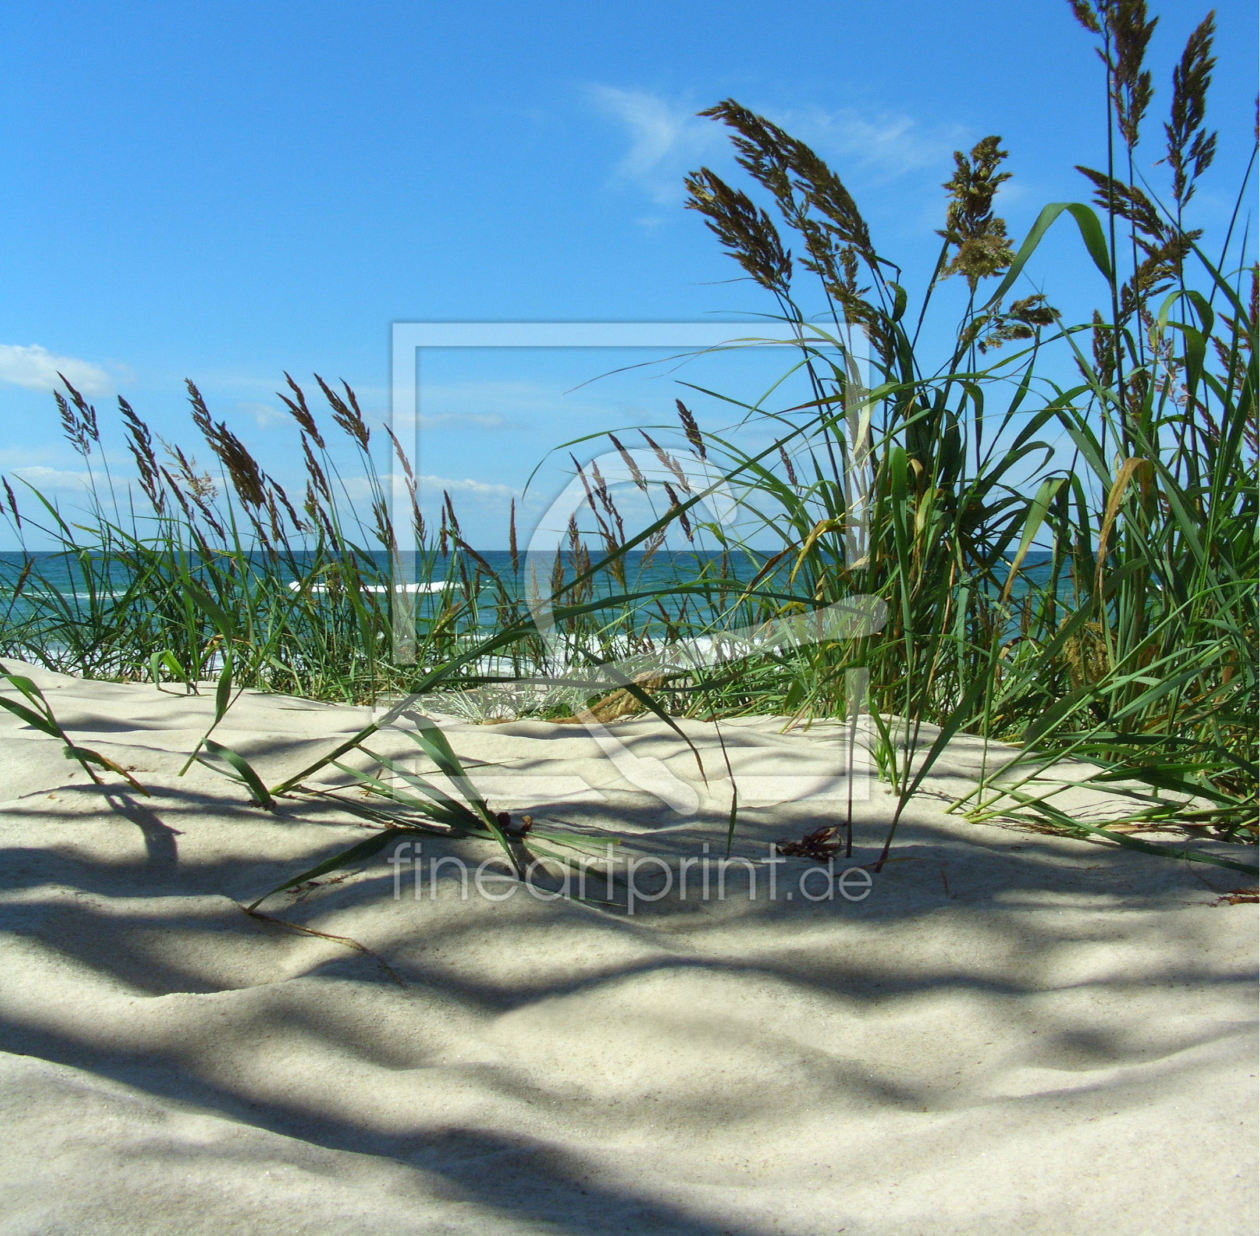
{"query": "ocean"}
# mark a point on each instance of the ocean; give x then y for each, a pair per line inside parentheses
(58, 601)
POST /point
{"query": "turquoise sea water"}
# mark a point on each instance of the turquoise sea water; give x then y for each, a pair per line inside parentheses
(61, 589)
(56, 577)
(66, 577)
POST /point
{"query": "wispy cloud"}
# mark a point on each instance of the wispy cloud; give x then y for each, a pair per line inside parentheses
(14, 457)
(363, 487)
(265, 415)
(36, 368)
(885, 144)
(46, 479)
(55, 455)
(667, 139)
(466, 485)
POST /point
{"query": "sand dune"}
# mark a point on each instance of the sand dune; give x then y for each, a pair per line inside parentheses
(1007, 1032)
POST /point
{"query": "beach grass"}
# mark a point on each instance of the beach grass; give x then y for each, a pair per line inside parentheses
(1117, 454)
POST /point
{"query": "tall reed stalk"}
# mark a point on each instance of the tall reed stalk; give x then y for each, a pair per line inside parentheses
(1134, 644)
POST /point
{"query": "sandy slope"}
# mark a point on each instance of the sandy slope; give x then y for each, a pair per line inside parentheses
(1009, 1033)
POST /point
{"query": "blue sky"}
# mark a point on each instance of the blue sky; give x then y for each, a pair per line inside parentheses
(228, 191)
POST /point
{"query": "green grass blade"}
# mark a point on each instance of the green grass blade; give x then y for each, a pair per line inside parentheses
(238, 769)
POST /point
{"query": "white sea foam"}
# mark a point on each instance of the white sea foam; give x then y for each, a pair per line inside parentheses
(296, 585)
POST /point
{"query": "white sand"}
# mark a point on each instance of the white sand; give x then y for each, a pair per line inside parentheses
(1011, 1033)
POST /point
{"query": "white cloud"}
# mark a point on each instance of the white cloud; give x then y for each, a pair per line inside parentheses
(50, 456)
(467, 485)
(264, 414)
(886, 143)
(667, 139)
(13, 458)
(45, 479)
(36, 368)
(431, 487)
